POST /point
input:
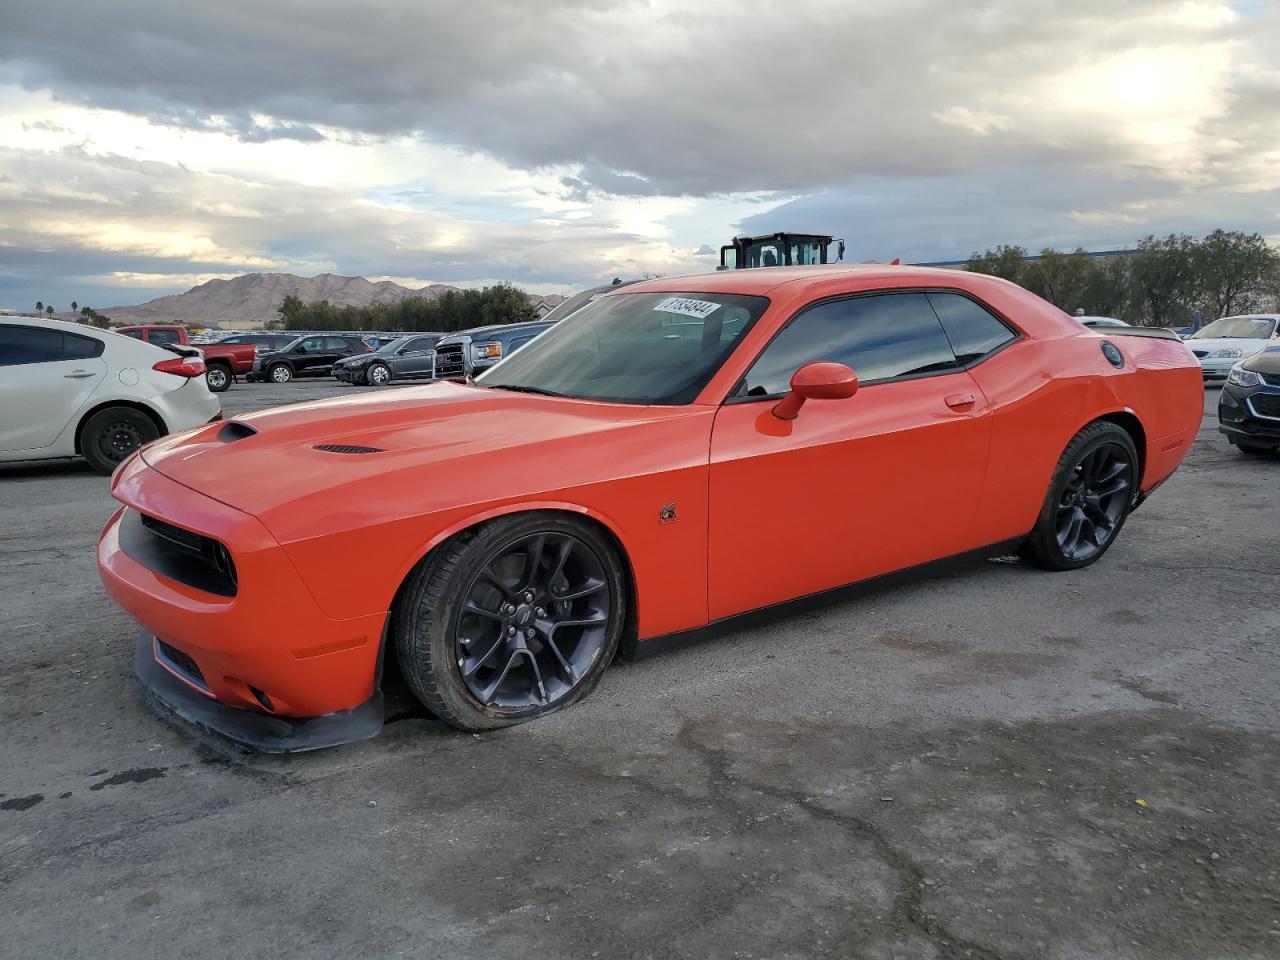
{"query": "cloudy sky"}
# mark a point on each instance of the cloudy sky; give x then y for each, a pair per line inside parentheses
(148, 146)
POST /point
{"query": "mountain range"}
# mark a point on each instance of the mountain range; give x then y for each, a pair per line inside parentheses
(255, 297)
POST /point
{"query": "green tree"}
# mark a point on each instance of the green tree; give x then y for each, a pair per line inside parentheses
(39, 307)
(75, 307)
(1061, 278)
(1230, 266)
(1165, 278)
(49, 309)
(1007, 262)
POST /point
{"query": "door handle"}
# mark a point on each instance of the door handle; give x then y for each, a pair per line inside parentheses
(959, 401)
(78, 375)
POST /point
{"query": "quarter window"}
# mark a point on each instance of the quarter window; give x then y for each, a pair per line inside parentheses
(879, 337)
(337, 343)
(972, 329)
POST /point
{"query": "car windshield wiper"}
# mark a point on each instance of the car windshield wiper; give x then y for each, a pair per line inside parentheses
(517, 388)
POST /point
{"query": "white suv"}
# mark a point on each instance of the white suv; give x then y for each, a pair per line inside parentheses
(70, 390)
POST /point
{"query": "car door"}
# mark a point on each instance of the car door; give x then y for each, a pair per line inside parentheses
(415, 358)
(309, 354)
(46, 377)
(853, 488)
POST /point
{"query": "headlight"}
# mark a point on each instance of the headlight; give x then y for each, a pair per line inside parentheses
(486, 351)
(1225, 354)
(1243, 378)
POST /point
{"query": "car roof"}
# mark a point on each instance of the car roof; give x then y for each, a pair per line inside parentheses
(495, 327)
(65, 326)
(760, 281)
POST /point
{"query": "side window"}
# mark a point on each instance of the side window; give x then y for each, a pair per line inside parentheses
(336, 343)
(419, 344)
(882, 336)
(313, 344)
(165, 336)
(136, 334)
(972, 329)
(20, 345)
(81, 348)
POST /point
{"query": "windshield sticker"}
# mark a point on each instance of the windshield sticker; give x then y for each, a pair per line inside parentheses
(689, 308)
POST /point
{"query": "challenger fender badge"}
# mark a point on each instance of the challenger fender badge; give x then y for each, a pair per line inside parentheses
(667, 514)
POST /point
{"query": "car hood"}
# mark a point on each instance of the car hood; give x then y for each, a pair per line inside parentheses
(1247, 345)
(460, 442)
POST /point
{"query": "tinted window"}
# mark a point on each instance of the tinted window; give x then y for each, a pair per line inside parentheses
(313, 344)
(421, 343)
(893, 335)
(81, 348)
(29, 345)
(972, 330)
(165, 336)
(136, 334)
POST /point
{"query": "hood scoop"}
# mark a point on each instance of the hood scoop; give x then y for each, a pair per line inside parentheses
(345, 448)
(235, 430)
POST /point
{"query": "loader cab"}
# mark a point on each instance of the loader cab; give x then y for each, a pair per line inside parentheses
(779, 250)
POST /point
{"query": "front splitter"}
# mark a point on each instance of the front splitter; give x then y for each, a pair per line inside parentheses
(251, 728)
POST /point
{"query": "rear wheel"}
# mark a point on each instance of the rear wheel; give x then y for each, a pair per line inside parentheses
(280, 373)
(111, 435)
(378, 374)
(511, 621)
(218, 377)
(1089, 498)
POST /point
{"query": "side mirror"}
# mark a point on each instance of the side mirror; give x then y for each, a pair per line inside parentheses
(816, 381)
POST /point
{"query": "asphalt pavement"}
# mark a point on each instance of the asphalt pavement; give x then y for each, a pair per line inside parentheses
(992, 763)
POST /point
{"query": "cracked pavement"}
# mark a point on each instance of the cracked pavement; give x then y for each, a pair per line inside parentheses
(990, 763)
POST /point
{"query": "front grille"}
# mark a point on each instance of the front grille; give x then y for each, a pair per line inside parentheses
(174, 658)
(181, 555)
(1201, 353)
(450, 361)
(1265, 404)
(1271, 378)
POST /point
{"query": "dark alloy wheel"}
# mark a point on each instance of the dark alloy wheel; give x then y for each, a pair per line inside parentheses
(1091, 494)
(378, 374)
(511, 621)
(111, 435)
(218, 377)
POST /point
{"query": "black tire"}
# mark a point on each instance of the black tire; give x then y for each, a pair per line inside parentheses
(111, 435)
(1253, 450)
(218, 376)
(1075, 502)
(280, 373)
(377, 374)
(433, 633)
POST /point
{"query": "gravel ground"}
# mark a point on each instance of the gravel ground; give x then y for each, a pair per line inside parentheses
(994, 763)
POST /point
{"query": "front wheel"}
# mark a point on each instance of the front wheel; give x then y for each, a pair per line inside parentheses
(111, 435)
(218, 378)
(281, 373)
(1089, 498)
(511, 621)
(378, 374)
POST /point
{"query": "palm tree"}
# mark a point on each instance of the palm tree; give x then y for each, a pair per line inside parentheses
(39, 307)
(49, 309)
(75, 307)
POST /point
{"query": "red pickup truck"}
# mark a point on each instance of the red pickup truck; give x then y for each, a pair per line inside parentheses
(223, 361)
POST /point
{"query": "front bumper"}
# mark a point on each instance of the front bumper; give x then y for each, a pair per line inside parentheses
(266, 653)
(1239, 418)
(1217, 369)
(350, 374)
(252, 728)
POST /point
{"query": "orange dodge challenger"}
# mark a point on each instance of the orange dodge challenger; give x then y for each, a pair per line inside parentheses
(672, 456)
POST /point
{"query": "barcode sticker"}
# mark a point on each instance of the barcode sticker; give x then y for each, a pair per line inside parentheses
(688, 307)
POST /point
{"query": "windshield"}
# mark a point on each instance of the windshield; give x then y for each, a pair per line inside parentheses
(1246, 328)
(657, 348)
(291, 344)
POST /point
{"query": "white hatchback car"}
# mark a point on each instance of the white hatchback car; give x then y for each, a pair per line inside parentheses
(69, 390)
(1220, 345)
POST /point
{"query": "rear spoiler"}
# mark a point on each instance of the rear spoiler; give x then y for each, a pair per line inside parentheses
(1157, 333)
(180, 349)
